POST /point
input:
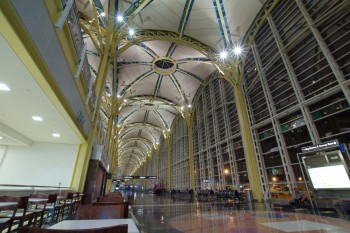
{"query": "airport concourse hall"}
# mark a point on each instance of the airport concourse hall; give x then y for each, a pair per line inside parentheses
(156, 116)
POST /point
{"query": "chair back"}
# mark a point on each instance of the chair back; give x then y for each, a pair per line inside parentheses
(116, 199)
(52, 198)
(112, 229)
(38, 195)
(22, 202)
(8, 208)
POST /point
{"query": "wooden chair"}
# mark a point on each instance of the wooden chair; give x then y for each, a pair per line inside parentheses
(103, 210)
(112, 229)
(51, 209)
(76, 203)
(22, 214)
(68, 206)
(6, 222)
(38, 208)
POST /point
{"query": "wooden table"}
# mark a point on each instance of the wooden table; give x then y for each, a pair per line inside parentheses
(6, 204)
(33, 200)
(98, 223)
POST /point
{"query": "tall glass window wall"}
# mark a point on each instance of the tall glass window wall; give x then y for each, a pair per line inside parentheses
(297, 86)
(218, 152)
(180, 176)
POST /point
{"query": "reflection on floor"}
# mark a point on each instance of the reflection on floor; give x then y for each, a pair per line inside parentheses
(162, 214)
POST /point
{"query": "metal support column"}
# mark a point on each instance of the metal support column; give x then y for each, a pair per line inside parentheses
(252, 167)
(190, 153)
(168, 141)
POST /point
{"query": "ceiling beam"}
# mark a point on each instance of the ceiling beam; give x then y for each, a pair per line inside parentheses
(223, 23)
(185, 16)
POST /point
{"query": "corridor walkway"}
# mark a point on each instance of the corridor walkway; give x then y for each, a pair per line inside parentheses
(162, 214)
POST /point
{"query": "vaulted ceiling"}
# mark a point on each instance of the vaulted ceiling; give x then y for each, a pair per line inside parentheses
(158, 76)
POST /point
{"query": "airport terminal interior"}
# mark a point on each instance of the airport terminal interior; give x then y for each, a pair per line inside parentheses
(175, 115)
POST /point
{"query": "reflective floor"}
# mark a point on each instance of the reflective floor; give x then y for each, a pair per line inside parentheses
(155, 213)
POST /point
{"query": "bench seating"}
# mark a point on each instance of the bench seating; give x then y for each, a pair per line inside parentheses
(103, 210)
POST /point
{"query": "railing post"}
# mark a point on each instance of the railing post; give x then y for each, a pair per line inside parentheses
(81, 62)
(64, 14)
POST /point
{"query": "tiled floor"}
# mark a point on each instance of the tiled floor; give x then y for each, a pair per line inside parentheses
(163, 214)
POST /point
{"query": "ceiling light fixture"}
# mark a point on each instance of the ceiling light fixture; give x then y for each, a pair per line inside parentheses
(120, 18)
(190, 106)
(131, 32)
(103, 14)
(0, 137)
(4, 87)
(56, 135)
(237, 50)
(223, 55)
(37, 118)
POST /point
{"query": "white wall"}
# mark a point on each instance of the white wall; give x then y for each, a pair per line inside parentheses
(44, 164)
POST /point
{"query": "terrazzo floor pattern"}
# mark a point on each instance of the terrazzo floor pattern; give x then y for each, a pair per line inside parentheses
(162, 214)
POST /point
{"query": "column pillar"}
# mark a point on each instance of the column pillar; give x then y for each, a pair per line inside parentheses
(168, 142)
(233, 78)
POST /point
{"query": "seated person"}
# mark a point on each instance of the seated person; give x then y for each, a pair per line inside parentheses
(236, 195)
(298, 198)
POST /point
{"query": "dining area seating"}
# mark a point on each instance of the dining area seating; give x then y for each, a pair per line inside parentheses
(111, 206)
(10, 208)
(63, 212)
(37, 209)
(123, 228)
(22, 213)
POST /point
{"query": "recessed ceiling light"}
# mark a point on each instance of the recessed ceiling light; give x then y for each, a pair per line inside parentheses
(37, 118)
(0, 137)
(4, 87)
(56, 135)
(103, 14)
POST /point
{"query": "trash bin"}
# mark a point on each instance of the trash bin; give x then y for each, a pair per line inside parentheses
(248, 195)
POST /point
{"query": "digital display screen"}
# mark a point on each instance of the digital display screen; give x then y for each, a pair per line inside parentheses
(329, 177)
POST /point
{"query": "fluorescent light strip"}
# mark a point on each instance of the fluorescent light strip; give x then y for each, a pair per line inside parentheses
(4, 87)
(37, 118)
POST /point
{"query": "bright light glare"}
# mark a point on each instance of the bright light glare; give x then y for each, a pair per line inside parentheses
(120, 18)
(223, 55)
(103, 14)
(190, 106)
(56, 135)
(131, 32)
(237, 50)
(37, 118)
(4, 87)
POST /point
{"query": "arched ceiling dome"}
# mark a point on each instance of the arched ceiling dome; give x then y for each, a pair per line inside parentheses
(155, 80)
